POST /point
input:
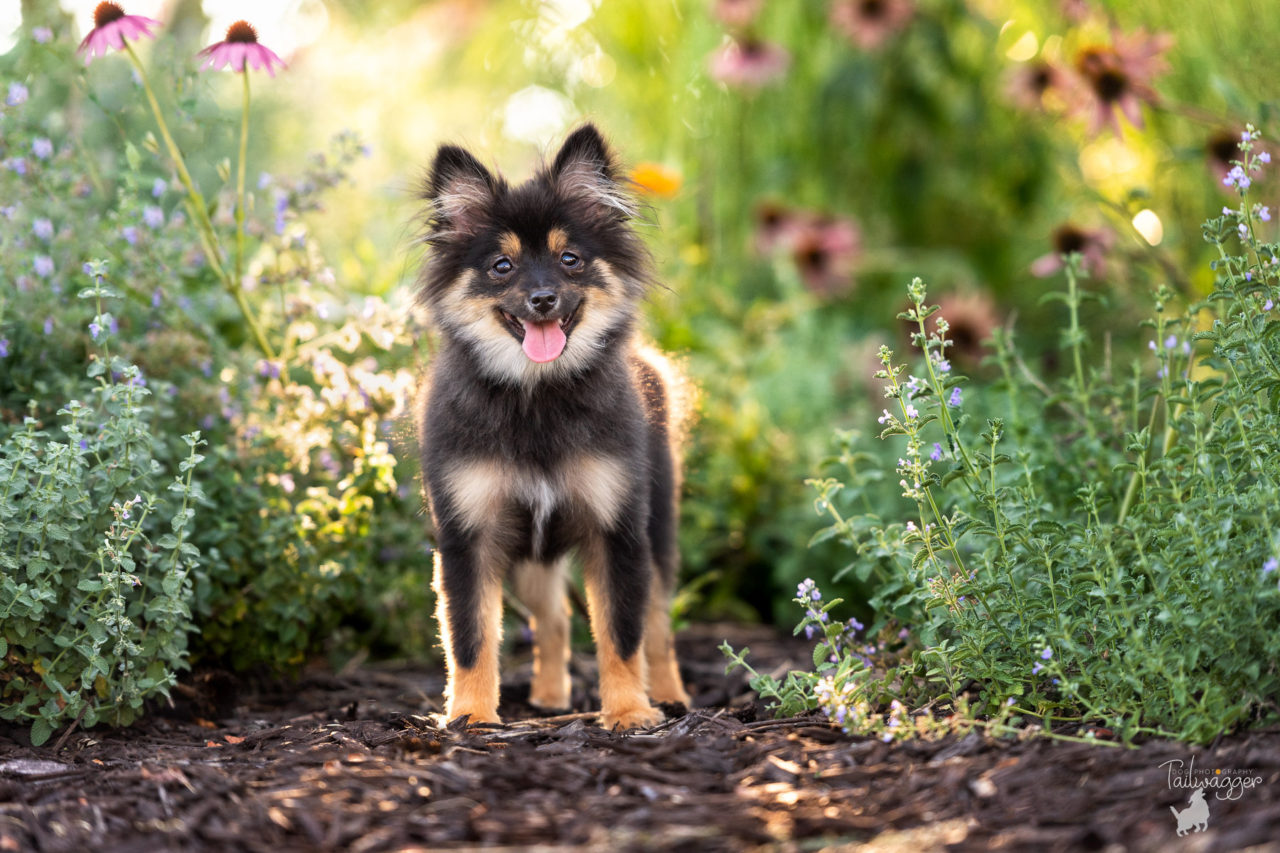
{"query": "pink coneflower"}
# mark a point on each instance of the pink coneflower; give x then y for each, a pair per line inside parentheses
(774, 225)
(111, 26)
(1031, 82)
(749, 63)
(972, 320)
(240, 51)
(825, 251)
(1092, 245)
(868, 23)
(737, 13)
(1119, 77)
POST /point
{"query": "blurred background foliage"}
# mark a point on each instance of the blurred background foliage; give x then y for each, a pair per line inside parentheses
(802, 161)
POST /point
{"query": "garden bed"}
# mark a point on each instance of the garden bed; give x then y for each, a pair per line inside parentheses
(353, 761)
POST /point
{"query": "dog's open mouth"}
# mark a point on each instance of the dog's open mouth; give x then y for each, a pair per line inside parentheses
(542, 342)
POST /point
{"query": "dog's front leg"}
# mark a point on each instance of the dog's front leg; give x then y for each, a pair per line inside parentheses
(618, 573)
(468, 591)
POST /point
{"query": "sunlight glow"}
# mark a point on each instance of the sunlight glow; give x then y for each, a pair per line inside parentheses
(10, 19)
(1025, 48)
(1148, 224)
(537, 114)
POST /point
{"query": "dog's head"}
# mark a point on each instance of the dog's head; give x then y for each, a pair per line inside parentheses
(537, 280)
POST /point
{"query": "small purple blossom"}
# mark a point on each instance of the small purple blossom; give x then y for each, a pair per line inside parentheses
(282, 204)
(1270, 565)
(1237, 178)
(1035, 670)
(885, 418)
(4, 347)
(954, 399)
(269, 369)
(159, 187)
(1243, 230)
(936, 454)
(1264, 213)
(17, 165)
(157, 296)
(1171, 342)
(43, 229)
(1046, 654)
(42, 148)
(17, 95)
(1268, 305)
(912, 412)
(153, 217)
(43, 265)
(130, 234)
(48, 325)
(1264, 156)
(42, 35)
(95, 329)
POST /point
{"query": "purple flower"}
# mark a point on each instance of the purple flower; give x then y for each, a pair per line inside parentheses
(954, 399)
(936, 455)
(1171, 342)
(42, 35)
(95, 329)
(18, 165)
(43, 265)
(42, 148)
(4, 347)
(264, 180)
(1264, 213)
(282, 204)
(17, 95)
(1035, 670)
(1236, 178)
(1268, 305)
(152, 216)
(1264, 157)
(1046, 654)
(159, 187)
(43, 229)
(269, 369)
(48, 325)
(157, 296)
(130, 234)
(1270, 565)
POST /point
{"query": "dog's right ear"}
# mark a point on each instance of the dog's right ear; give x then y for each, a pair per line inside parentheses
(461, 192)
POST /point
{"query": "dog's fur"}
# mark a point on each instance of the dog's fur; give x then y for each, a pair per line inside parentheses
(535, 449)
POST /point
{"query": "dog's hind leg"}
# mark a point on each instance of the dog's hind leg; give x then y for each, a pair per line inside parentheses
(541, 588)
(660, 650)
(617, 572)
(469, 610)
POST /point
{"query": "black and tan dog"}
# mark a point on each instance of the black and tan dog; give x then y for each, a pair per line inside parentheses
(547, 429)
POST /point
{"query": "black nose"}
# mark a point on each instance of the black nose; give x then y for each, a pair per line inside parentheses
(542, 301)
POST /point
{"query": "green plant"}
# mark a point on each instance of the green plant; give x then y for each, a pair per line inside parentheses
(1104, 553)
(96, 562)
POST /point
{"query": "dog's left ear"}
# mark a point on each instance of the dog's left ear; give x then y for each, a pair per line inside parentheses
(585, 169)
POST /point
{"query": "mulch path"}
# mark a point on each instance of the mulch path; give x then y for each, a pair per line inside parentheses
(354, 761)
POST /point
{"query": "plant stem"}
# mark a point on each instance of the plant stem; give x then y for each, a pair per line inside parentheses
(199, 212)
(244, 148)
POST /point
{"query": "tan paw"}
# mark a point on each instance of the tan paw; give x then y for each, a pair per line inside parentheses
(476, 715)
(550, 700)
(634, 718)
(671, 693)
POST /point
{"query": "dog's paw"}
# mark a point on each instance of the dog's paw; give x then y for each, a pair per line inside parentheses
(550, 700)
(642, 717)
(672, 695)
(475, 715)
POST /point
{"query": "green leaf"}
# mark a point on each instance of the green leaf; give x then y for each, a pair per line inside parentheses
(40, 731)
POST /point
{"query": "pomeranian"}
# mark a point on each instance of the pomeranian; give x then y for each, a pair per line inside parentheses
(548, 429)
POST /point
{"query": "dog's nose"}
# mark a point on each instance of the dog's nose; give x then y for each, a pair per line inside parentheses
(542, 301)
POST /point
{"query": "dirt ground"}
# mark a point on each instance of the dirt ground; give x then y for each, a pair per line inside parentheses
(353, 761)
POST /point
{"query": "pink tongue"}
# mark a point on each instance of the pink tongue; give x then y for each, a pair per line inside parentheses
(543, 342)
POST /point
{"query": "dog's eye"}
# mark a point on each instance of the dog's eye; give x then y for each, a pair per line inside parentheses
(502, 266)
(569, 259)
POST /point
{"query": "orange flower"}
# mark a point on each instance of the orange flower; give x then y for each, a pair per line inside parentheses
(656, 179)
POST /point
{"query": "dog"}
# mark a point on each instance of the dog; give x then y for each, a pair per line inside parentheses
(548, 428)
(1195, 817)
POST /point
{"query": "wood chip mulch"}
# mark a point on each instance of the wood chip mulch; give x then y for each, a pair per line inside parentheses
(355, 761)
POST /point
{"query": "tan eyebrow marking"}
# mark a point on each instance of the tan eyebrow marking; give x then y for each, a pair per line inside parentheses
(509, 243)
(557, 240)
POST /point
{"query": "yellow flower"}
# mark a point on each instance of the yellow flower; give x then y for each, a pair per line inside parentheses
(656, 179)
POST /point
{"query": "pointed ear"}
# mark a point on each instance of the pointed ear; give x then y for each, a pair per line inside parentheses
(460, 191)
(585, 169)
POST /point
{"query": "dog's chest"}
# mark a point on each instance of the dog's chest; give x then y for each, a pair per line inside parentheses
(492, 495)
